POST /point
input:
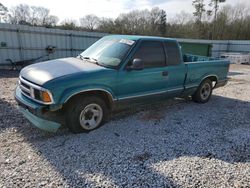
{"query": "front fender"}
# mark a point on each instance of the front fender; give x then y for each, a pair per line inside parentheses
(68, 93)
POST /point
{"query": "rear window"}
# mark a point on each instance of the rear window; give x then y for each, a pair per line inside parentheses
(172, 53)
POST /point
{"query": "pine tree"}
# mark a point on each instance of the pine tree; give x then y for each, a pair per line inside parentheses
(214, 4)
(199, 11)
(163, 22)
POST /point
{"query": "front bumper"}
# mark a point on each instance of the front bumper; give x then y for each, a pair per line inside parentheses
(32, 110)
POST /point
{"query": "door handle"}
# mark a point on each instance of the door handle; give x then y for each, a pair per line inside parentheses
(165, 73)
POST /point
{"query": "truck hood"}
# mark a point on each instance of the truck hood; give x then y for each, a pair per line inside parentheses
(40, 73)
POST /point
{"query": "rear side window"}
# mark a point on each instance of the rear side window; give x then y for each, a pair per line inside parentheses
(172, 53)
(151, 53)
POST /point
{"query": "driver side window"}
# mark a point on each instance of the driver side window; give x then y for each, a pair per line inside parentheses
(151, 53)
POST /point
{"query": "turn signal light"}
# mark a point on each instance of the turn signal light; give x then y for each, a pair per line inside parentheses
(45, 96)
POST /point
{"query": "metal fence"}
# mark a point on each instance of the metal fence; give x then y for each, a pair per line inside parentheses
(222, 46)
(19, 42)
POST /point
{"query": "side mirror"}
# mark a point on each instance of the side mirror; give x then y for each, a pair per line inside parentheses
(137, 64)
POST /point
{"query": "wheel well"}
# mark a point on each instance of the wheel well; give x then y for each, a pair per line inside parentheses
(213, 80)
(107, 98)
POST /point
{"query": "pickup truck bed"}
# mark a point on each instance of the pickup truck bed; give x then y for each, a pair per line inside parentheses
(200, 67)
(195, 58)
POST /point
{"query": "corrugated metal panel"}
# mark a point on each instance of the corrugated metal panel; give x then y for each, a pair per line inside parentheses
(26, 42)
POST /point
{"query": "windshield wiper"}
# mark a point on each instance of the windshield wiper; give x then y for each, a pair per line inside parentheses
(86, 58)
(81, 57)
(93, 60)
(89, 59)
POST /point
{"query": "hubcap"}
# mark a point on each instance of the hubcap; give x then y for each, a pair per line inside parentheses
(91, 116)
(205, 91)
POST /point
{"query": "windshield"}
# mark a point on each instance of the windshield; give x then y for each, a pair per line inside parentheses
(108, 51)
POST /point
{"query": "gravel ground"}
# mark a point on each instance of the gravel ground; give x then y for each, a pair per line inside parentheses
(175, 144)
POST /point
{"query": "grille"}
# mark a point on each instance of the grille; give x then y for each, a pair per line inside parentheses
(26, 89)
(32, 91)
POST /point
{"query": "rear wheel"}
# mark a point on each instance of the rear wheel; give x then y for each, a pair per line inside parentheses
(204, 92)
(85, 114)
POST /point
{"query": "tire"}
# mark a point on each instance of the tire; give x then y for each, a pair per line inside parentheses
(85, 114)
(204, 92)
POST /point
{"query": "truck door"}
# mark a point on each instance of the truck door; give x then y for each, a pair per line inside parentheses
(152, 79)
(175, 67)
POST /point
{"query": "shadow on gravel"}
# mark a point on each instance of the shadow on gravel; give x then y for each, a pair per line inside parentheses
(10, 116)
(8, 73)
(235, 73)
(126, 151)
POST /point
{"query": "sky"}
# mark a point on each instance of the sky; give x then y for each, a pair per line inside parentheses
(75, 9)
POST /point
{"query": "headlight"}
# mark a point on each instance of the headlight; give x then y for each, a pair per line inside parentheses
(42, 95)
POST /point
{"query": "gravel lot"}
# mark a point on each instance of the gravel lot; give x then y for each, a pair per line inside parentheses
(175, 144)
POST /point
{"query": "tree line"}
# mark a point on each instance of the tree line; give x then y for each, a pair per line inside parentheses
(208, 21)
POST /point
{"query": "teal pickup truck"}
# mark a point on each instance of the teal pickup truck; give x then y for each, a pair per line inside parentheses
(117, 70)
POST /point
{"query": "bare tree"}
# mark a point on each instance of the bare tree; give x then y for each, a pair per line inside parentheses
(107, 25)
(24, 14)
(135, 22)
(3, 13)
(38, 15)
(181, 25)
(20, 14)
(143, 22)
(232, 22)
(41, 16)
(158, 20)
(68, 24)
(182, 18)
(51, 21)
(89, 22)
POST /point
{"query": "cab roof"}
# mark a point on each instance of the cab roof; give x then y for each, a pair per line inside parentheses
(138, 37)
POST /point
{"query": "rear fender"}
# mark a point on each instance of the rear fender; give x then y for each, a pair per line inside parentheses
(213, 76)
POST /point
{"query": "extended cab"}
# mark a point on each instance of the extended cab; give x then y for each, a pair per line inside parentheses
(116, 70)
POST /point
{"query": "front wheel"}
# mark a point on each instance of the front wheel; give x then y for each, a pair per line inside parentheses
(204, 92)
(85, 114)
